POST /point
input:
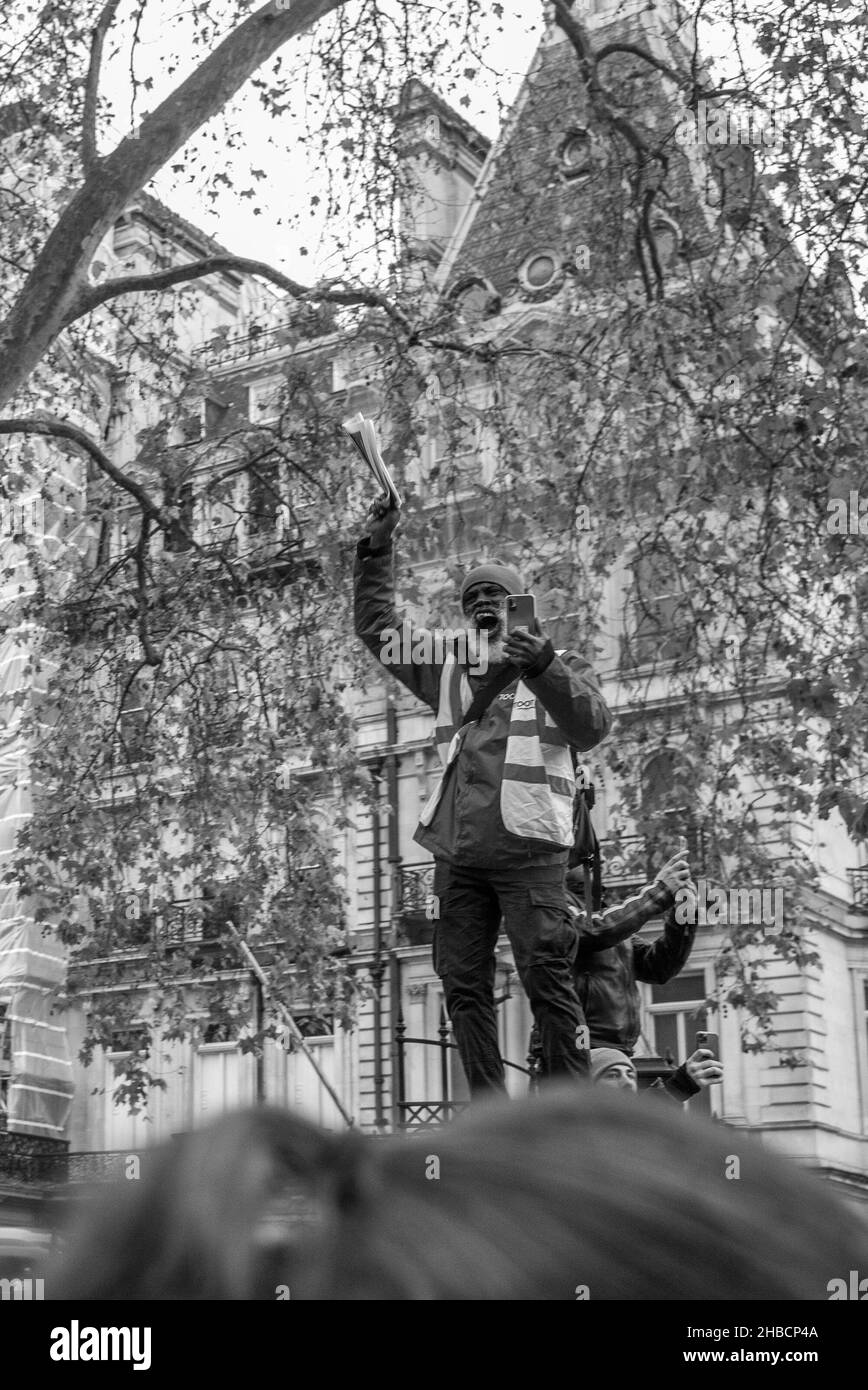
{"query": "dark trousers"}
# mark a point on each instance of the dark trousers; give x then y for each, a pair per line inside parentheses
(533, 906)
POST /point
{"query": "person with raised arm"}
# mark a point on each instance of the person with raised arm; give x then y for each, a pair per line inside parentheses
(500, 821)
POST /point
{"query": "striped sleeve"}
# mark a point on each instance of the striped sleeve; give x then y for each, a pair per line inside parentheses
(617, 923)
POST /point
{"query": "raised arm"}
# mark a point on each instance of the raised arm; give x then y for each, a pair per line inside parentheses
(376, 618)
(617, 923)
(658, 961)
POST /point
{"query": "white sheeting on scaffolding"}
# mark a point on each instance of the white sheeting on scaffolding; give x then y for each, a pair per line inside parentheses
(32, 960)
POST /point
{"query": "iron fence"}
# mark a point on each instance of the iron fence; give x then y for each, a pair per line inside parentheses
(415, 887)
(414, 1116)
(859, 887)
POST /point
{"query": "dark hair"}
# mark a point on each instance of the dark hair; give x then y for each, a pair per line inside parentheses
(521, 1200)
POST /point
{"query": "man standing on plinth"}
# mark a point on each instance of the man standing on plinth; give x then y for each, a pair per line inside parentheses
(500, 822)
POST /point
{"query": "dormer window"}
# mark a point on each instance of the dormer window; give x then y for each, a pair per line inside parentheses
(667, 239)
(475, 298)
(575, 154)
(540, 270)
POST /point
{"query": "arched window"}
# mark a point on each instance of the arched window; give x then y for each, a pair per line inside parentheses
(475, 298)
(658, 621)
(669, 810)
(667, 239)
(663, 783)
(134, 731)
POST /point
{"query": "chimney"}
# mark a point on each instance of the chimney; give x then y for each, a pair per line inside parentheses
(440, 157)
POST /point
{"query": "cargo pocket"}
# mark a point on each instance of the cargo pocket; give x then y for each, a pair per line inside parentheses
(551, 924)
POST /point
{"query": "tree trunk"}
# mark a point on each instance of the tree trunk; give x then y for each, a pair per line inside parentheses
(48, 298)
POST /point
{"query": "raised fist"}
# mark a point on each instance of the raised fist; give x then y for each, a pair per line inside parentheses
(382, 520)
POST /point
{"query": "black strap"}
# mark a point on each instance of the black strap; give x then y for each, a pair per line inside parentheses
(586, 846)
(484, 696)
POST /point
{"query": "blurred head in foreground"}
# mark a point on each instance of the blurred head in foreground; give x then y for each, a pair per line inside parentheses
(523, 1200)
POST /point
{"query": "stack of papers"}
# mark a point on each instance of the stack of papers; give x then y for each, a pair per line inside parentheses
(363, 433)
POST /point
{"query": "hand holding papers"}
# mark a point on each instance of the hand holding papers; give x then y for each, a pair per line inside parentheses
(363, 433)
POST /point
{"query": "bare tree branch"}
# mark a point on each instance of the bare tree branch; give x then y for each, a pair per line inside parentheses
(680, 78)
(329, 292)
(601, 102)
(637, 242)
(59, 271)
(152, 656)
(578, 37)
(645, 223)
(91, 87)
(52, 427)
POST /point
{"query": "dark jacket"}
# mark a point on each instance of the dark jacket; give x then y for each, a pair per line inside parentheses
(467, 828)
(679, 1087)
(610, 928)
(606, 978)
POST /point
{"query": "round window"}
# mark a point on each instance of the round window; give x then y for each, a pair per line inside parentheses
(539, 270)
(576, 153)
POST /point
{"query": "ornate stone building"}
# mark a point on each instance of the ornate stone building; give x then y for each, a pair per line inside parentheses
(516, 234)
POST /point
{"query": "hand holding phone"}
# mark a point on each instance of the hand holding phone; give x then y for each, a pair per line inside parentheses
(526, 645)
(520, 612)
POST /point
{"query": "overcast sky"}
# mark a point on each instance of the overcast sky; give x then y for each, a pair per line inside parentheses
(277, 224)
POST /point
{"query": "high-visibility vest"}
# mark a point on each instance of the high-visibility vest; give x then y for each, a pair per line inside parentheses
(539, 783)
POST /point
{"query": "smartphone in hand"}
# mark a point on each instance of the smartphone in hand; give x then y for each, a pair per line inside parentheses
(711, 1042)
(520, 612)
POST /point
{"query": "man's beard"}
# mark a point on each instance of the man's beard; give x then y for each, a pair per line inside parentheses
(486, 646)
(496, 655)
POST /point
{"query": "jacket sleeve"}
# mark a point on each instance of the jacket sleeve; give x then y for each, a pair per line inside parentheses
(657, 961)
(617, 923)
(679, 1087)
(568, 689)
(376, 617)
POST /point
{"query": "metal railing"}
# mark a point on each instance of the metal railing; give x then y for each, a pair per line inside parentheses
(626, 865)
(625, 861)
(191, 921)
(318, 322)
(415, 887)
(631, 860)
(58, 1170)
(24, 1158)
(240, 348)
(418, 1115)
(415, 883)
(859, 887)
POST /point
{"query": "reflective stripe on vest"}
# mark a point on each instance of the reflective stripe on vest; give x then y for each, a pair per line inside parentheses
(539, 783)
(456, 698)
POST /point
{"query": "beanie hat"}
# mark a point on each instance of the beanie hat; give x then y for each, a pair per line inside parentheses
(493, 572)
(604, 1057)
